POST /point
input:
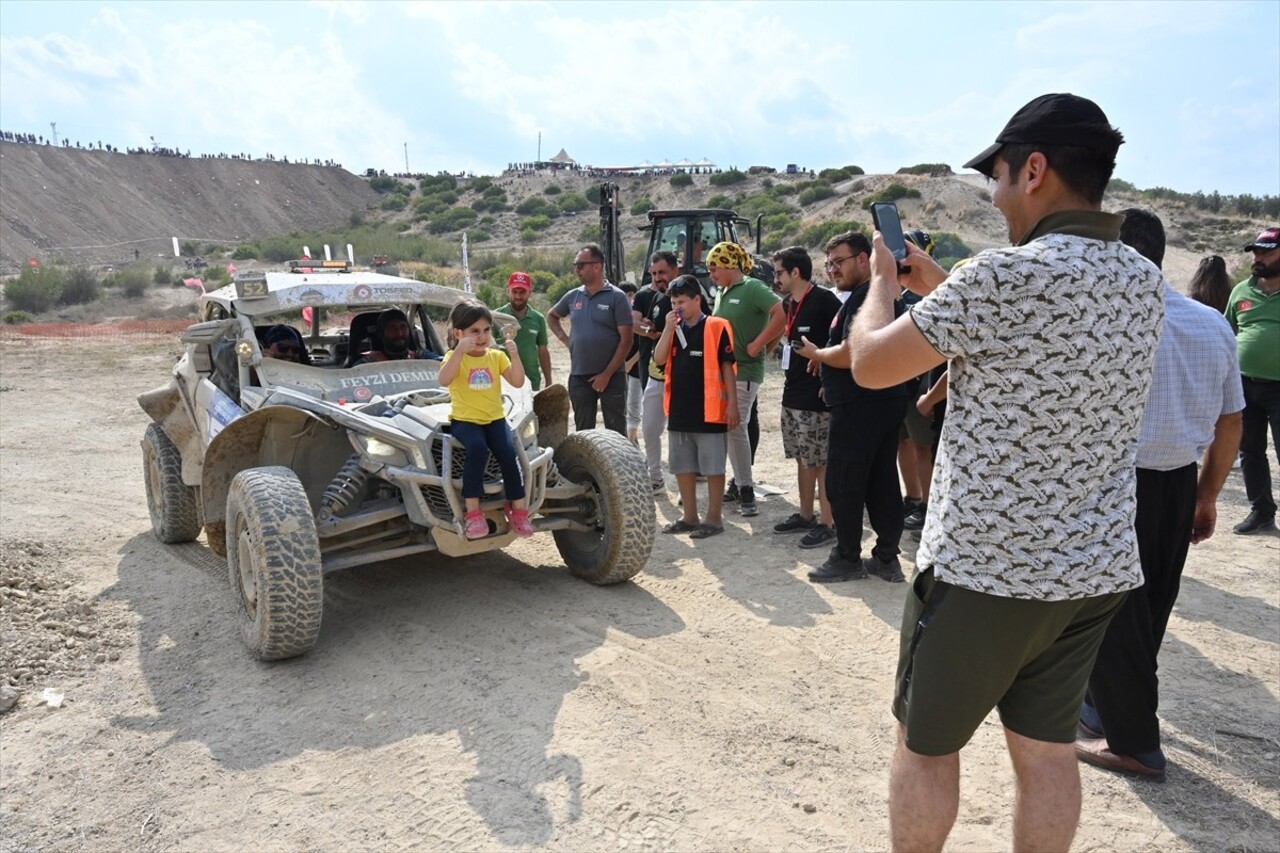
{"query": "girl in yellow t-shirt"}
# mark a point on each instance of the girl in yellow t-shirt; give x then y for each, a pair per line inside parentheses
(471, 372)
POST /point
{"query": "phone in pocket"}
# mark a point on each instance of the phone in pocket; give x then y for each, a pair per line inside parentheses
(885, 216)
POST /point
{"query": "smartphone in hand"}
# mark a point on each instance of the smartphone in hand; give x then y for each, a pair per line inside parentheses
(885, 216)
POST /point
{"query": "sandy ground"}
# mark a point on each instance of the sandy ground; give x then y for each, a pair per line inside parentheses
(719, 702)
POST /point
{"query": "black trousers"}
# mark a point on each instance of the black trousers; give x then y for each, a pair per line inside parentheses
(1123, 687)
(862, 473)
(587, 401)
(1261, 409)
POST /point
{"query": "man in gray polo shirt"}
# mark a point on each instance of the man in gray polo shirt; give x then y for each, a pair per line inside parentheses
(599, 338)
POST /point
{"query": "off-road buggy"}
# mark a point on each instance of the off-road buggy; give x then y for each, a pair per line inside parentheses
(295, 470)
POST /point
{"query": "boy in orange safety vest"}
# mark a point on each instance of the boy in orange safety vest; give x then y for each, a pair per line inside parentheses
(701, 403)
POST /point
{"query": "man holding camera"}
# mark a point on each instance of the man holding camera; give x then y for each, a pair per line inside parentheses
(1028, 546)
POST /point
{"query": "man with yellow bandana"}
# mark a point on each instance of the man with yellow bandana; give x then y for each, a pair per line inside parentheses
(754, 313)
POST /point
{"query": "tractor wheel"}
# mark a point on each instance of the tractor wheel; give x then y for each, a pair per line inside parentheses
(273, 559)
(171, 502)
(619, 507)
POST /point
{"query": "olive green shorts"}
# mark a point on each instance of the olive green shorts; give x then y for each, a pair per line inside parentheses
(963, 653)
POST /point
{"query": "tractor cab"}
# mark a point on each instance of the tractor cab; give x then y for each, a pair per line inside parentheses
(691, 234)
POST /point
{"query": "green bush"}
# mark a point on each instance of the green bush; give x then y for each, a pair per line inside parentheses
(949, 246)
(479, 235)
(813, 194)
(727, 178)
(431, 205)
(35, 290)
(529, 235)
(164, 275)
(133, 281)
(487, 221)
(481, 184)
(80, 286)
(833, 175)
(552, 189)
(719, 200)
(247, 252)
(816, 236)
(855, 170)
(593, 193)
(394, 202)
(383, 183)
(573, 201)
(438, 183)
(893, 192)
(216, 276)
(560, 288)
(189, 248)
(681, 180)
(492, 295)
(448, 197)
(589, 234)
(926, 169)
(781, 190)
(641, 206)
(16, 318)
(495, 192)
(454, 219)
(539, 222)
(532, 206)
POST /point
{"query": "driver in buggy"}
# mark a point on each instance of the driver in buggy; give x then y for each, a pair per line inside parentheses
(395, 337)
(285, 343)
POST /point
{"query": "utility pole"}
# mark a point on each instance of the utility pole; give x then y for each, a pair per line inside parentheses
(539, 160)
(53, 125)
(406, 158)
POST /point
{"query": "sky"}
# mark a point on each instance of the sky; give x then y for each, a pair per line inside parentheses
(469, 86)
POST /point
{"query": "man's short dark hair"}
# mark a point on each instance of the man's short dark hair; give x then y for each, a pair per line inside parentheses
(594, 251)
(685, 285)
(795, 258)
(628, 288)
(855, 240)
(1086, 171)
(1143, 232)
(668, 258)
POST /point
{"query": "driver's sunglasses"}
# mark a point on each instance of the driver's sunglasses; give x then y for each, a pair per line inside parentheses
(577, 265)
(287, 349)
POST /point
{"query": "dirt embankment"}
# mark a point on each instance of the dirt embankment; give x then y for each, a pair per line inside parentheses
(97, 207)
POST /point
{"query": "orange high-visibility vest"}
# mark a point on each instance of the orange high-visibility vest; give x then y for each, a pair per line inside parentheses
(715, 399)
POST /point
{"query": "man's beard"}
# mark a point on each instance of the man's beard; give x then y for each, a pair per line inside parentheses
(1271, 270)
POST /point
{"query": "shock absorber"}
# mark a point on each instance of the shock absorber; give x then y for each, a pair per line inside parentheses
(344, 488)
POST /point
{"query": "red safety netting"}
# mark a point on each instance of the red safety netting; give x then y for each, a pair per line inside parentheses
(116, 329)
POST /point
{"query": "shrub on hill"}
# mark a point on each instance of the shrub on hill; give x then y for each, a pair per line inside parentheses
(727, 178)
(247, 252)
(35, 290)
(833, 175)
(926, 169)
(163, 275)
(809, 196)
(681, 180)
(781, 190)
(593, 193)
(133, 281)
(573, 201)
(589, 234)
(394, 202)
(720, 200)
(641, 206)
(529, 235)
(17, 318)
(453, 219)
(437, 183)
(533, 205)
(539, 222)
(383, 184)
(479, 235)
(816, 236)
(79, 287)
(481, 183)
(552, 189)
(949, 247)
(893, 192)
(431, 205)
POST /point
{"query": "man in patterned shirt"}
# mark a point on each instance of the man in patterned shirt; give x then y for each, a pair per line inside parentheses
(1028, 546)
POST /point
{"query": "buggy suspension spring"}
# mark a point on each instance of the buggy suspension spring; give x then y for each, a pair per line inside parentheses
(344, 489)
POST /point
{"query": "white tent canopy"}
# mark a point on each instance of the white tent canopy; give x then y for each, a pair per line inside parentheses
(563, 157)
(704, 162)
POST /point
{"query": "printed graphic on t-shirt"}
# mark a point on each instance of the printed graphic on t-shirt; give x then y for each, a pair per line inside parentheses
(479, 379)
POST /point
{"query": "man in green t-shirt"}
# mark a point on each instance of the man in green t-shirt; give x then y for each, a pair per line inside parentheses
(1253, 310)
(755, 316)
(531, 340)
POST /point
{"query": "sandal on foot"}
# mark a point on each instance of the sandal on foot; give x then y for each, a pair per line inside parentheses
(706, 530)
(679, 526)
(477, 526)
(518, 520)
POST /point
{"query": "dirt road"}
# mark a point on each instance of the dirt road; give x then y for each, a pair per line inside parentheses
(720, 701)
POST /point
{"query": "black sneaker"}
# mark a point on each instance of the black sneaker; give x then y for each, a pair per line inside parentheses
(890, 571)
(747, 502)
(1257, 520)
(819, 536)
(731, 493)
(915, 520)
(837, 569)
(794, 524)
(909, 506)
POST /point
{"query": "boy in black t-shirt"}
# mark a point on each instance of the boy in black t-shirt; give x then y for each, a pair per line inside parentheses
(700, 397)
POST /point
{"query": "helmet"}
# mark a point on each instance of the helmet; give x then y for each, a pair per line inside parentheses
(921, 238)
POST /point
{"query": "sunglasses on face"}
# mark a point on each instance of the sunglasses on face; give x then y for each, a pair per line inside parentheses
(577, 265)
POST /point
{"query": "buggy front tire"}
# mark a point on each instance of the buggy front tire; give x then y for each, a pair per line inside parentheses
(170, 502)
(621, 519)
(274, 564)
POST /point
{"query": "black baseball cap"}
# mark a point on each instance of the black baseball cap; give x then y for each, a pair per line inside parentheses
(1266, 241)
(1057, 119)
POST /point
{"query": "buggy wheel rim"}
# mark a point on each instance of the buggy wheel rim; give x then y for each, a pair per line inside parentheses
(244, 562)
(155, 490)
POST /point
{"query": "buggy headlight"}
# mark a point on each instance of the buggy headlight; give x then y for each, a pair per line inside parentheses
(529, 430)
(376, 448)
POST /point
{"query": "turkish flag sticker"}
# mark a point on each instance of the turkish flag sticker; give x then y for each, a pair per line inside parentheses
(1245, 305)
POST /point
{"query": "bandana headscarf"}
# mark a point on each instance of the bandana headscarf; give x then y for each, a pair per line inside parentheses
(729, 255)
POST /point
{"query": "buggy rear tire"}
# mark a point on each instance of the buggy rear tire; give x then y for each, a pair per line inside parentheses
(273, 561)
(171, 502)
(621, 540)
